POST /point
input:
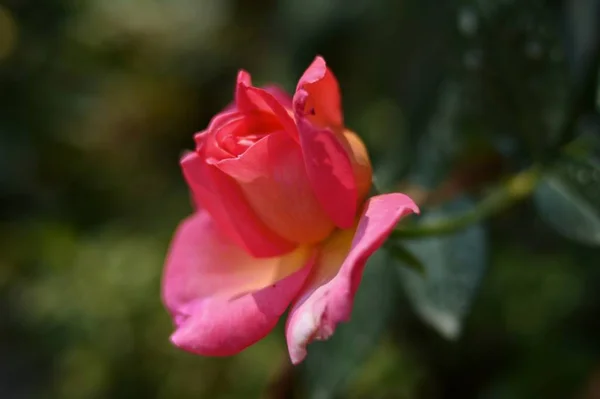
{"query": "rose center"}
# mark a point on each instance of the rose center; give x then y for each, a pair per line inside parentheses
(237, 145)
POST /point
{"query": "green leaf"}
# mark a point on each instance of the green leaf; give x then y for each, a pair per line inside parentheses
(454, 266)
(441, 142)
(405, 256)
(582, 20)
(568, 197)
(330, 364)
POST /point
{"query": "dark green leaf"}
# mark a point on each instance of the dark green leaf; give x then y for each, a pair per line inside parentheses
(568, 197)
(440, 142)
(454, 266)
(582, 20)
(405, 256)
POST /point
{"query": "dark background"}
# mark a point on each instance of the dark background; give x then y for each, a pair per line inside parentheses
(99, 98)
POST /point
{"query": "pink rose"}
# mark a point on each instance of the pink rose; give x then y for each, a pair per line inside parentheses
(280, 186)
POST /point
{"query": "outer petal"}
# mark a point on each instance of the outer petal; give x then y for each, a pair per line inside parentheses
(326, 299)
(223, 199)
(361, 164)
(324, 103)
(222, 300)
(328, 167)
(272, 175)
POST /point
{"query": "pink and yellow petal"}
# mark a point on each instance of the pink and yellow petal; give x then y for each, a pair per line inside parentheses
(361, 164)
(222, 299)
(327, 296)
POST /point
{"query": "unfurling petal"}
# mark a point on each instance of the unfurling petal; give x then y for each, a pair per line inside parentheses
(270, 101)
(220, 195)
(328, 167)
(251, 99)
(327, 296)
(323, 106)
(221, 299)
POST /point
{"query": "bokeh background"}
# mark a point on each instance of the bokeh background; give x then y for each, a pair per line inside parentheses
(98, 99)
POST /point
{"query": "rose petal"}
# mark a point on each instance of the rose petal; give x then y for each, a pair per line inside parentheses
(282, 96)
(252, 101)
(217, 123)
(361, 164)
(223, 199)
(273, 105)
(206, 141)
(272, 175)
(221, 299)
(246, 100)
(328, 167)
(327, 296)
(223, 118)
(324, 102)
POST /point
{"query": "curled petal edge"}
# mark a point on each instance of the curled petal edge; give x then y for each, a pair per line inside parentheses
(327, 297)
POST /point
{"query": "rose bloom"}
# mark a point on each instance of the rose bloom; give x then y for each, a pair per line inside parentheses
(282, 220)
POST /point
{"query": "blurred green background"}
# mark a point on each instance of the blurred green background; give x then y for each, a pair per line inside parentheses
(99, 98)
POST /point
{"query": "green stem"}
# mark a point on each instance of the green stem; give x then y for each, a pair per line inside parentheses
(513, 190)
